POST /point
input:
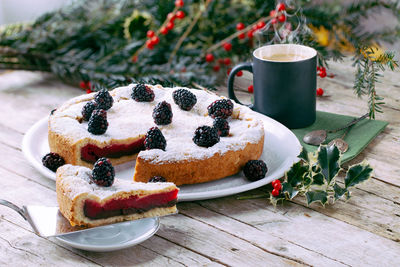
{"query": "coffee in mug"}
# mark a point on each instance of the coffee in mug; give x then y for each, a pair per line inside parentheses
(284, 79)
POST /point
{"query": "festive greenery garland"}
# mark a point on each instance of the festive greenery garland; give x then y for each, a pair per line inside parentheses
(104, 43)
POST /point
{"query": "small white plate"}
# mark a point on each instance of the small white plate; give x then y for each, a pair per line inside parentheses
(112, 237)
(281, 148)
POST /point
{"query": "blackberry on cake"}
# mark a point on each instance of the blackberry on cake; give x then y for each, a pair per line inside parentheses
(142, 93)
(222, 126)
(88, 109)
(103, 172)
(103, 99)
(255, 170)
(221, 108)
(205, 136)
(157, 179)
(162, 113)
(52, 161)
(184, 99)
(155, 139)
(98, 122)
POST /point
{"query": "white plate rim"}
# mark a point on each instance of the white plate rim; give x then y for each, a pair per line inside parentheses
(182, 196)
(99, 248)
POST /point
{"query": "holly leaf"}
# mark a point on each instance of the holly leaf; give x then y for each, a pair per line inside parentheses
(318, 179)
(295, 175)
(357, 174)
(339, 192)
(304, 155)
(289, 191)
(307, 179)
(328, 159)
(317, 196)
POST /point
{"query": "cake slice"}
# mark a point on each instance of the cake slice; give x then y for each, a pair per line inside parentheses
(84, 203)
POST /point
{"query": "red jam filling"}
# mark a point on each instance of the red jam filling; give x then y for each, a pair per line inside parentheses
(133, 204)
(91, 153)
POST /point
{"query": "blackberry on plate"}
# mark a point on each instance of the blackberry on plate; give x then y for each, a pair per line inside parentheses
(103, 172)
(157, 179)
(98, 122)
(52, 161)
(162, 113)
(205, 136)
(184, 99)
(88, 109)
(154, 139)
(221, 108)
(142, 93)
(255, 170)
(222, 126)
(103, 99)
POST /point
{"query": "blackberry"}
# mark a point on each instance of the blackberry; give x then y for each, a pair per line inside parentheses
(142, 93)
(162, 113)
(255, 170)
(222, 126)
(52, 161)
(221, 108)
(103, 99)
(98, 122)
(103, 172)
(88, 109)
(184, 99)
(157, 179)
(205, 136)
(154, 139)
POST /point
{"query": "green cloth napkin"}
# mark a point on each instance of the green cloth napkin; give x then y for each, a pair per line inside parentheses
(359, 136)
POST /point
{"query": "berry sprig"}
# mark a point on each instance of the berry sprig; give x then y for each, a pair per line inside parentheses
(86, 86)
(276, 184)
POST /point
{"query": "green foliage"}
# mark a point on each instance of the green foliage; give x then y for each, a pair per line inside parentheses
(314, 177)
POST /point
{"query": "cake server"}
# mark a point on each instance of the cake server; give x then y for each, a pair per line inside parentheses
(48, 221)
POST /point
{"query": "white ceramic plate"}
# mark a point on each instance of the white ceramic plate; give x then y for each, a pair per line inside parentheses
(281, 148)
(112, 237)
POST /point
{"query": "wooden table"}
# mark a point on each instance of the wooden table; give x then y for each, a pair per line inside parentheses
(225, 231)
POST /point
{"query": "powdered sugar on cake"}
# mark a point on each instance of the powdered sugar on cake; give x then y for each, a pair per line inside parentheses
(78, 180)
(128, 119)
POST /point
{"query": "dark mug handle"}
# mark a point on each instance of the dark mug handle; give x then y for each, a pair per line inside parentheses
(242, 66)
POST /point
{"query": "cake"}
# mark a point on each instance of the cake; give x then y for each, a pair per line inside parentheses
(182, 161)
(84, 203)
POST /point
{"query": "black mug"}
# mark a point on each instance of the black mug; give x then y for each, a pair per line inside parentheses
(284, 78)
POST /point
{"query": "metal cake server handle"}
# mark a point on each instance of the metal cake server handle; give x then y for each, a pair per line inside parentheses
(13, 206)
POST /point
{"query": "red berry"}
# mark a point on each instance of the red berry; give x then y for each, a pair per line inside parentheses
(281, 18)
(221, 61)
(278, 186)
(82, 85)
(88, 91)
(170, 25)
(180, 14)
(275, 193)
(274, 182)
(250, 34)
(322, 74)
(322, 69)
(209, 57)
(216, 68)
(239, 73)
(240, 26)
(149, 44)
(179, 3)
(155, 40)
(281, 7)
(320, 92)
(254, 27)
(171, 17)
(260, 25)
(164, 30)
(150, 33)
(274, 21)
(227, 46)
(250, 89)
(242, 36)
(227, 61)
(228, 71)
(272, 13)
